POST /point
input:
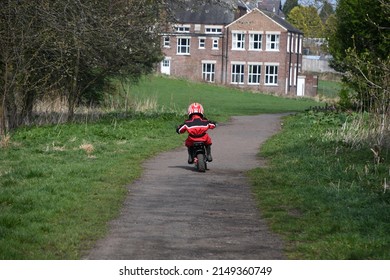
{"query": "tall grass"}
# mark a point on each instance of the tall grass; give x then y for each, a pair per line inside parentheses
(363, 130)
(329, 200)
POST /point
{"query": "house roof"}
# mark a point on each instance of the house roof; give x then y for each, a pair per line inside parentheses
(275, 18)
(223, 12)
(204, 13)
(282, 22)
(274, 6)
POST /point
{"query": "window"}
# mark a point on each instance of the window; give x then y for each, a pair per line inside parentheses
(271, 75)
(288, 42)
(273, 42)
(254, 73)
(237, 74)
(182, 29)
(215, 43)
(213, 30)
(208, 72)
(238, 41)
(202, 43)
(255, 41)
(166, 63)
(300, 45)
(167, 42)
(183, 45)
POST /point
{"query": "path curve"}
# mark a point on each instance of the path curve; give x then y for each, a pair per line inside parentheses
(173, 212)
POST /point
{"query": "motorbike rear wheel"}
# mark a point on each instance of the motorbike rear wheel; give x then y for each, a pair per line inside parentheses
(201, 164)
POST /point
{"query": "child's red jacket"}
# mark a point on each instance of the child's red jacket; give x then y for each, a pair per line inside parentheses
(196, 127)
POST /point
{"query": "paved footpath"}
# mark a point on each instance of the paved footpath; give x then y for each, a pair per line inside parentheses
(173, 212)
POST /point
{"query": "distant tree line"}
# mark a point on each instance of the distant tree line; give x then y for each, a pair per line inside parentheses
(312, 17)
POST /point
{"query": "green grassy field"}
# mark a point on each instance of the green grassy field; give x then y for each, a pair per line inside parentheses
(61, 184)
(218, 101)
(329, 89)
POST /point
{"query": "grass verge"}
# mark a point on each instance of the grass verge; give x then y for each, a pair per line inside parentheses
(327, 200)
(60, 185)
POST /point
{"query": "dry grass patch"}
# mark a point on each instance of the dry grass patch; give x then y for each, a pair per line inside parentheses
(89, 149)
(5, 141)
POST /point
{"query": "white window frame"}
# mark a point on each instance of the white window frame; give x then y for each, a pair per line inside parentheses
(272, 41)
(202, 42)
(288, 42)
(300, 44)
(167, 42)
(271, 74)
(166, 62)
(208, 70)
(237, 77)
(182, 28)
(213, 29)
(215, 44)
(183, 49)
(238, 40)
(254, 77)
(253, 42)
(291, 81)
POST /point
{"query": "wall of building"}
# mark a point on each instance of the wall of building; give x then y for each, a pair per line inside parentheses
(316, 64)
(190, 66)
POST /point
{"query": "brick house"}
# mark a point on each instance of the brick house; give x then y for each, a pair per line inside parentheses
(243, 47)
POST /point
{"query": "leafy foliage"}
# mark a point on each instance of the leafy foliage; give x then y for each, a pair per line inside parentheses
(289, 5)
(363, 25)
(359, 44)
(307, 20)
(326, 11)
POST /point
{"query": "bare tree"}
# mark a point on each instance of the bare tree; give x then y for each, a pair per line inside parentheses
(70, 47)
(20, 48)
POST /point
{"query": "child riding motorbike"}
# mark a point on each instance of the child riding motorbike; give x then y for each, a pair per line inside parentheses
(196, 126)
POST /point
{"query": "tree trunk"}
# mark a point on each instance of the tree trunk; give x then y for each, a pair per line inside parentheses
(74, 92)
(2, 120)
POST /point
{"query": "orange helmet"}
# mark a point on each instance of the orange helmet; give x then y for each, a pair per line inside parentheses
(195, 108)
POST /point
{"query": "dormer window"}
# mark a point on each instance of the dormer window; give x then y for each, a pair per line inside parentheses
(213, 30)
(182, 29)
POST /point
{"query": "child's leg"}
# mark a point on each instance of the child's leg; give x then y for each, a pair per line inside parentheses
(208, 151)
(189, 144)
(208, 143)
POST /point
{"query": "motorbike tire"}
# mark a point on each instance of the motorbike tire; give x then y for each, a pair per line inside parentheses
(201, 165)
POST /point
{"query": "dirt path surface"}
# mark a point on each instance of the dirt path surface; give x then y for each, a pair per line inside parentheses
(173, 212)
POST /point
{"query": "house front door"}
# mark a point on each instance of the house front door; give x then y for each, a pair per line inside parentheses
(166, 66)
(301, 86)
